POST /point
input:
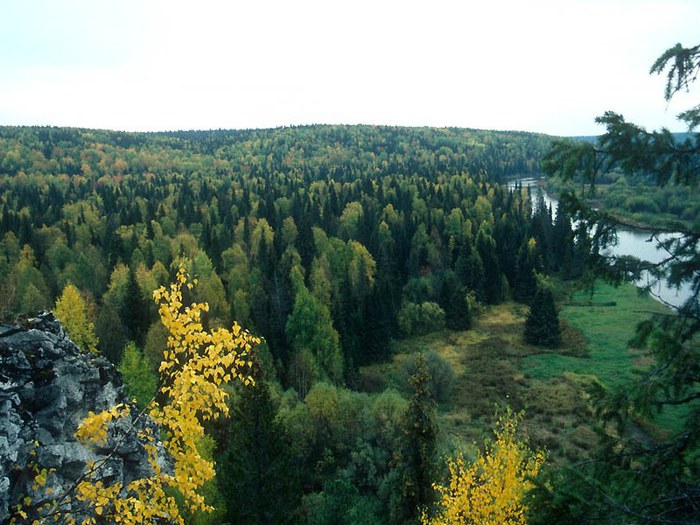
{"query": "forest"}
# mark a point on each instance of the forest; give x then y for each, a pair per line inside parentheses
(357, 255)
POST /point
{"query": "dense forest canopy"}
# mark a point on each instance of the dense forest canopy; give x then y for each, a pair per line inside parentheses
(329, 243)
(323, 221)
(326, 241)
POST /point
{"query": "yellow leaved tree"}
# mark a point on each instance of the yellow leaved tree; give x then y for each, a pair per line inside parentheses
(491, 490)
(196, 365)
(71, 310)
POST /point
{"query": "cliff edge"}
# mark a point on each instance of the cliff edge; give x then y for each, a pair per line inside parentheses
(47, 387)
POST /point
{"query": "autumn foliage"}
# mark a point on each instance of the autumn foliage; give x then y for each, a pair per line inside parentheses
(196, 365)
(71, 309)
(491, 490)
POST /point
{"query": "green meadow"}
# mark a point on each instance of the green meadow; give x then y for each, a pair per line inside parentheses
(607, 331)
(493, 366)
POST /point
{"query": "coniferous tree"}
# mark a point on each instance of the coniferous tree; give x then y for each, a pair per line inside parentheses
(526, 267)
(415, 459)
(563, 244)
(111, 333)
(493, 278)
(453, 299)
(135, 312)
(542, 323)
(375, 335)
(643, 480)
(256, 472)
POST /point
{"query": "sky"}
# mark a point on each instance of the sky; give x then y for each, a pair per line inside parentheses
(151, 65)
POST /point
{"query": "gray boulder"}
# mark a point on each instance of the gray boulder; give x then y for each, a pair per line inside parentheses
(47, 387)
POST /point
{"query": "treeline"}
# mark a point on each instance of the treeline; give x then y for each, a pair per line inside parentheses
(327, 241)
(369, 232)
(638, 200)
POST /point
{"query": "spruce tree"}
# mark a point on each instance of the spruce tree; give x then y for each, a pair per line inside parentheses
(644, 480)
(453, 299)
(256, 473)
(528, 263)
(542, 323)
(135, 314)
(415, 459)
(111, 333)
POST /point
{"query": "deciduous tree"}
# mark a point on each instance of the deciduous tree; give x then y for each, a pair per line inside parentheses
(492, 489)
(196, 366)
(71, 310)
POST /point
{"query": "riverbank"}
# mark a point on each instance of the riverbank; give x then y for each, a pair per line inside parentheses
(635, 240)
(647, 217)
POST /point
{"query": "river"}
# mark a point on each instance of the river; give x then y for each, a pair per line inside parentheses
(636, 242)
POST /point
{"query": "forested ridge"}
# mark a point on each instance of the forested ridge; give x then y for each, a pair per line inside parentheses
(371, 217)
(405, 299)
(328, 242)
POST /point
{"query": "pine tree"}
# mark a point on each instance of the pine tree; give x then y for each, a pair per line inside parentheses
(542, 323)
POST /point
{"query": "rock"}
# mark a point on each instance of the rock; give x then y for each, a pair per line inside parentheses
(47, 387)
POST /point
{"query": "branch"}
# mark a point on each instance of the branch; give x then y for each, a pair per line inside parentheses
(100, 463)
(679, 401)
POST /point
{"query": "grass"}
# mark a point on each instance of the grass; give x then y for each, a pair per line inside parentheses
(607, 331)
(487, 362)
(493, 366)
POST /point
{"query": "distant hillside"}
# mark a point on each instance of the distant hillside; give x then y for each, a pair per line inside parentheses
(321, 150)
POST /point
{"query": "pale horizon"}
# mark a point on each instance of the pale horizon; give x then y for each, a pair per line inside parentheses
(544, 66)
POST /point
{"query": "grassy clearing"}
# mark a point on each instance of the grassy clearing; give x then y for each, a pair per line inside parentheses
(607, 331)
(487, 362)
(493, 366)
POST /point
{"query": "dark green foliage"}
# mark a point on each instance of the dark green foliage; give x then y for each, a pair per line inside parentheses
(493, 278)
(340, 503)
(255, 473)
(111, 333)
(193, 192)
(567, 258)
(639, 479)
(453, 298)
(526, 267)
(311, 237)
(415, 460)
(542, 323)
(135, 312)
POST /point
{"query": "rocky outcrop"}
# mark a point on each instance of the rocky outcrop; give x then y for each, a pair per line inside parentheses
(47, 387)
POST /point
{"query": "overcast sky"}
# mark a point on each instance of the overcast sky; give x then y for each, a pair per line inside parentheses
(533, 65)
